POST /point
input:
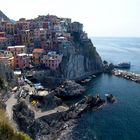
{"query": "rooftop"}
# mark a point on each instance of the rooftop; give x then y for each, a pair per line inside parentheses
(21, 46)
(2, 32)
(52, 53)
(1, 38)
(22, 54)
(38, 50)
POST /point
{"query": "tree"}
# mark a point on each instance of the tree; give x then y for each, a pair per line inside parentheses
(1, 83)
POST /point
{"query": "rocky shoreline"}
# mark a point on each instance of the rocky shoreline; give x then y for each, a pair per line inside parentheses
(43, 114)
(50, 126)
(127, 75)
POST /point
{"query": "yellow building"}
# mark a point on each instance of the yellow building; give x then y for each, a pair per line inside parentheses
(17, 49)
(37, 55)
(8, 57)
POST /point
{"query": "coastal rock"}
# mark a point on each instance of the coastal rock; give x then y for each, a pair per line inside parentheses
(84, 105)
(108, 68)
(79, 60)
(47, 102)
(51, 126)
(26, 122)
(111, 98)
(23, 116)
(69, 89)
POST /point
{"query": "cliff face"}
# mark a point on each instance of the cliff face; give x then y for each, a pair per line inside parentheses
(80, 60)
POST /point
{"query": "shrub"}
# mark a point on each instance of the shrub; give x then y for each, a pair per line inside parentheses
(7, 132)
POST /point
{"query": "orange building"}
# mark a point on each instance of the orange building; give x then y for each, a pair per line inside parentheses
(37, 56)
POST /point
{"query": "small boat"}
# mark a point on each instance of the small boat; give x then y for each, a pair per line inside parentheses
(85, 81)
(93, 76)
(125, 65)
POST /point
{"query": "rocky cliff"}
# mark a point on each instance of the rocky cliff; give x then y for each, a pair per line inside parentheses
(80, 60)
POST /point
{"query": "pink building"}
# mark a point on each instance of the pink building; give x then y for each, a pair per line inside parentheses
(2, 34)
(22, 60)
(52, 60)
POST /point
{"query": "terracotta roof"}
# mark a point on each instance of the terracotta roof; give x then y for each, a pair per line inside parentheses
(38, 50)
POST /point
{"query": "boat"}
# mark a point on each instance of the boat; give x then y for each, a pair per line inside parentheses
(86, 80)
(125, 65)
(93, 76)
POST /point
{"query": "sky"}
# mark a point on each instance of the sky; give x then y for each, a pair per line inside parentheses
(117, 18)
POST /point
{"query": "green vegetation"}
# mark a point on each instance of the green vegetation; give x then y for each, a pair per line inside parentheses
(1, 83)
(76, 36)
(7, 132)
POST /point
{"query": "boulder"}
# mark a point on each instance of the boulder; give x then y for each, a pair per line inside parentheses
(110, 98)
(86, 104)
(69, 89)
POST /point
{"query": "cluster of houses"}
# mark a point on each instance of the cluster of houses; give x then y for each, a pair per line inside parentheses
(35, 42)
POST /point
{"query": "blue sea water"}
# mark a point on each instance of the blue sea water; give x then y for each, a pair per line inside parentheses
(119, 121)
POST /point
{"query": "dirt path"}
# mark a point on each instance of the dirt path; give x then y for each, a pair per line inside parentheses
(12, 101)
(40, 114)
(9, 104)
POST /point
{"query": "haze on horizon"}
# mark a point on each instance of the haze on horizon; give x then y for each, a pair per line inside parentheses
(100, 17)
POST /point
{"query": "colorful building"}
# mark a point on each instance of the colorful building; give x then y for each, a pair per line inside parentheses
(37, 56)
(40, 33)
(10, 28)
(2, 34)
(17, 49)
(8, 57)
(52, 60)
(22, 61)
(26, 37)
(17, 39)
(23, 24)
(3, 42)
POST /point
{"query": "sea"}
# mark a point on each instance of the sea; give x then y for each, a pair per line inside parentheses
(121, 120)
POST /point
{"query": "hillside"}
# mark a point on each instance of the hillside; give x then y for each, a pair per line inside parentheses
(4, 17)
(7, 132)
